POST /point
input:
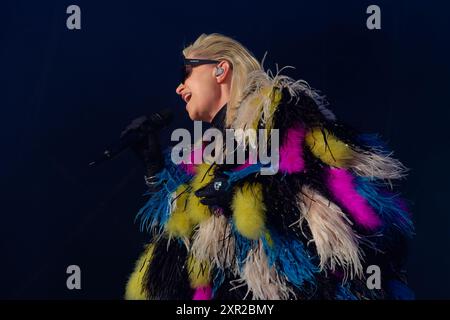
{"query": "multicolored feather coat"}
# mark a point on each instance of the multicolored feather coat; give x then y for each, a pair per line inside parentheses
(310, 231)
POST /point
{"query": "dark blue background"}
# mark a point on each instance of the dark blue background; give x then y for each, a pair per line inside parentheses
(66, 94)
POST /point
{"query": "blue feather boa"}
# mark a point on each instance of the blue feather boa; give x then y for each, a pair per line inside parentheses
(156, 212)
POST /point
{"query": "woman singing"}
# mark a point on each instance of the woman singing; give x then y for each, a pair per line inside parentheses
(320, 222)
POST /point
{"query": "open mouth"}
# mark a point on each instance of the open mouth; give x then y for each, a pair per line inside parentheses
(187, 97)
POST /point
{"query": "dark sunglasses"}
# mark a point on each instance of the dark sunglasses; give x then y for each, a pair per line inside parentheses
(188, 64)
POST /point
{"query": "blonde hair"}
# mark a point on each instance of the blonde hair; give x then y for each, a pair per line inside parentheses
(219, 47)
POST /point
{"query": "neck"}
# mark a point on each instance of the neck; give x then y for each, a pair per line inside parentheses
(224, 98)
(219, 118)
(216, 112)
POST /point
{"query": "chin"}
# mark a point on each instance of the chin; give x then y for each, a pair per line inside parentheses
(193, 116)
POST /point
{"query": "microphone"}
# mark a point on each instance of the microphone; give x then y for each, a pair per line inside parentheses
(135, 132)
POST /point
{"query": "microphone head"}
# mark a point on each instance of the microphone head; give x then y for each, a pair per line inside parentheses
(161, 118)
(136, 131)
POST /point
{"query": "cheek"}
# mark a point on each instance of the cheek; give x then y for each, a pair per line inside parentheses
(203, 95)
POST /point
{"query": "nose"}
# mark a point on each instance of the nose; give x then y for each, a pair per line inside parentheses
(179, 88)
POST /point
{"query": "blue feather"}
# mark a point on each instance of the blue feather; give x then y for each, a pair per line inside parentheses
(156, 211)
(373, 140)
(387, 205)
(397, 290)
(290, 259)
(218, 280)
(234, 176)
(343, 293)
(242, 246)
(270, 251)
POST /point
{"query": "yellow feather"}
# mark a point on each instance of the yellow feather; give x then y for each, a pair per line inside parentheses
(268, 92)
(276, 98)
(248, 211)
(199, 272)
(135, 289)
(179, 224)
(198, 212)
(328, 148)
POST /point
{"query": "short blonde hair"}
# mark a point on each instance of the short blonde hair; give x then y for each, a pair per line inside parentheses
(219, 47)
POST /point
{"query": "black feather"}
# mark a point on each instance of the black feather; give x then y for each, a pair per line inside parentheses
(166, 277)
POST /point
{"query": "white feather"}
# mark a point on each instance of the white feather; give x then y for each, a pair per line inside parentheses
(335, 241)
(213, 241)
(263, 281)
(377, 165)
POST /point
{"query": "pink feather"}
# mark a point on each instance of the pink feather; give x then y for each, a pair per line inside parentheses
(203, 293)
(341, 184)
(291, 152)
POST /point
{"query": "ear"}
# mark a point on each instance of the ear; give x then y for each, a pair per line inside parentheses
(226, 66)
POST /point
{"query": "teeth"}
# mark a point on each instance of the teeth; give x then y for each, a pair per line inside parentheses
(187, 97)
